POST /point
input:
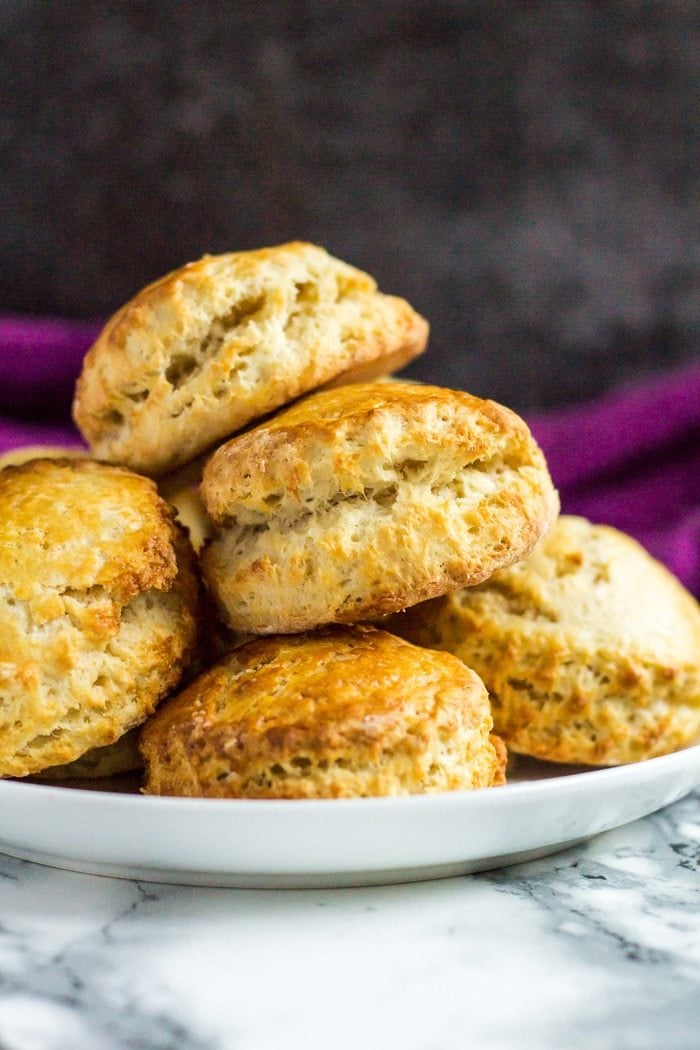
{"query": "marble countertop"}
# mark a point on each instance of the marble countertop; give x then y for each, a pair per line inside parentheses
(595, 948)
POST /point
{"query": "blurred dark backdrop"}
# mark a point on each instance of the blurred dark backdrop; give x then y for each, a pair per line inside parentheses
(521, 171)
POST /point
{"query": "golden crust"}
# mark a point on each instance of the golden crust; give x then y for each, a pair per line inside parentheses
(364, 500)
(82, 525)
(339, 714)
(97, 603)
(225, 340)
(590, 649)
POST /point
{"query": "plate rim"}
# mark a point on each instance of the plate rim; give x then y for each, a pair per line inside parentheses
(331, 843)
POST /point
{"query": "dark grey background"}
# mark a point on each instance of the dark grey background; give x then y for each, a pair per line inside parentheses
(522, 172)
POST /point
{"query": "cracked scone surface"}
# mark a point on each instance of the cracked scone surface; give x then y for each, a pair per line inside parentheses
(366, 499)
(97, 608)
(346, 712)
(590, 649)
(210, 347)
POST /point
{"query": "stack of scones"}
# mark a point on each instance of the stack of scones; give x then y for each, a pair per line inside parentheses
(360, 586)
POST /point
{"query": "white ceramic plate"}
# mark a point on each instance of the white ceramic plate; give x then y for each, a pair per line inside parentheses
(257, 843)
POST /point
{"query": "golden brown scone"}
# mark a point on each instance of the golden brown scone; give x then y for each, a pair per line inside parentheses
(363, 500)
(345, 712)
(220, 342)
(590, 649)
(97, 603)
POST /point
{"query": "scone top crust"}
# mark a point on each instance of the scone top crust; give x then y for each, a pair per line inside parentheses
(342, 712)
(200, 353)
(341, 440)
(76, 524)
(598, 586)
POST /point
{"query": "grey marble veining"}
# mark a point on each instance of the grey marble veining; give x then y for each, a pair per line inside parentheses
(596, 948)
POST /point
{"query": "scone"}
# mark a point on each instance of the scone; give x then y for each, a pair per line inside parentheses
(345, 712)
(366, 499)
(97, 608)
(205, 350)
(590, 649)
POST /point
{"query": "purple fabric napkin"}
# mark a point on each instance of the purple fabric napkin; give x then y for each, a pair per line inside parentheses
(40, 359)
(631, 459)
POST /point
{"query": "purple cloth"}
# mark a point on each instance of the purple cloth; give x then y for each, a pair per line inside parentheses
(631, 459)
(40, 359)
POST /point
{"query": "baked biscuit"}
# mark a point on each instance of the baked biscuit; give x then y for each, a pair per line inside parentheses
(97, 604)
(363, 500)
(223, 341)
(590, 649)
(341, 713)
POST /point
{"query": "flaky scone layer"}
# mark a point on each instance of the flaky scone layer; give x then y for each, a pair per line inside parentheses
(367, 499)
(341, 713)
(205, 350)
(97, 608)
(589, 648)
